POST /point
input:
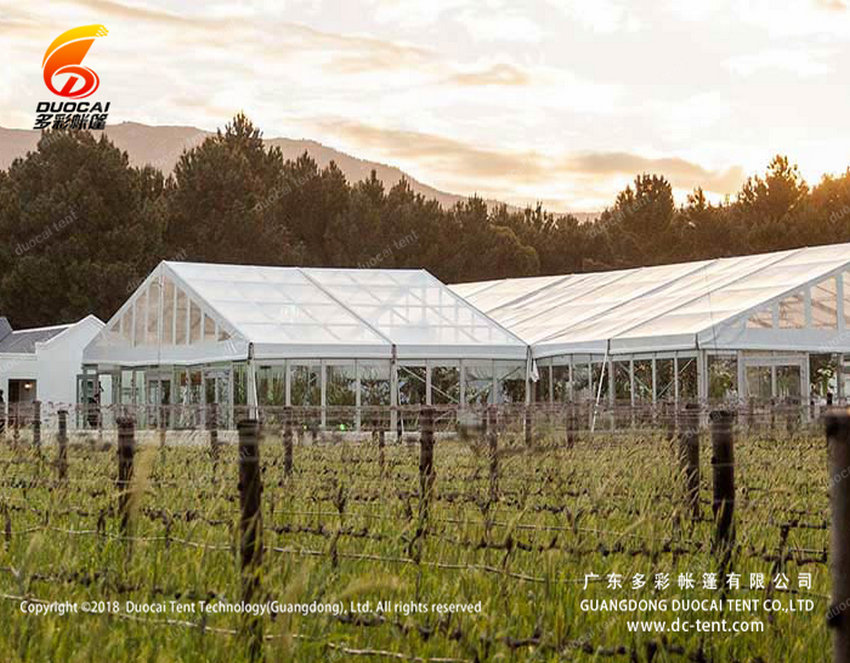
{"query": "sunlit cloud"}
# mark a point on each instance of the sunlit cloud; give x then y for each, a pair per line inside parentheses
(803, 62)
(562, 101)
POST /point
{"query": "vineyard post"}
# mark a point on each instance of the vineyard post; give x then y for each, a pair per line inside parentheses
(571, 425)
(838, 449)
(36, 424)
(212, 424)
(250, 526)
(16, 433)
(382, 441)
(287, 441)
(493, 441)
(62, 460)
(723, 469)
(669, 413)
(426, 452)
(163, 425)
(126, 450)
(689, 456)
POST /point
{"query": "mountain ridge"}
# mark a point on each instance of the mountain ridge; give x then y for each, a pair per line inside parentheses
(160, 146)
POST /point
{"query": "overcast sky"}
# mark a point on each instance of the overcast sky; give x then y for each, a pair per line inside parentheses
(562, 101)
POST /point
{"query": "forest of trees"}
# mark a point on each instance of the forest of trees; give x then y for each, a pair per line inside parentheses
(79, 226)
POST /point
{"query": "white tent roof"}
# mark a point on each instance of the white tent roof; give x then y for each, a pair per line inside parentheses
(292, 312)
(684, 306)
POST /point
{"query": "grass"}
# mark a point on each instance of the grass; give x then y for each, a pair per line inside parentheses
(341, 529)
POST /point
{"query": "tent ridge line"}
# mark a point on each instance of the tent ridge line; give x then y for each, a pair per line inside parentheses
(338, 301)
(533, 292)
(463, 300)
(658, 288)
(709, 291)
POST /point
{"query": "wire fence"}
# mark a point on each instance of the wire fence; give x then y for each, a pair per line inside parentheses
(488, 492)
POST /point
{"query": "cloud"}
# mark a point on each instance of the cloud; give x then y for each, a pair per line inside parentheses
(463, 161)
(497, 74)
(803, 62)
(445, 154)
(140, 13)
(681, 173)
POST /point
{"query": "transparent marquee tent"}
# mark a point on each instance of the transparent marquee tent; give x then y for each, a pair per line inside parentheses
(194, 334)
(764, 326)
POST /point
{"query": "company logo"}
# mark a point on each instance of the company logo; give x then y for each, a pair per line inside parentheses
(66, 76)
(64, 57)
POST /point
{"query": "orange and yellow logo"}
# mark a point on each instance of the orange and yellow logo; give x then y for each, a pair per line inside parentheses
(64, 58)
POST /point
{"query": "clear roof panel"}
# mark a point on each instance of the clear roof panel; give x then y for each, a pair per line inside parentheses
(411, 307)
(284, 306)
(651, 302)
(275, 305)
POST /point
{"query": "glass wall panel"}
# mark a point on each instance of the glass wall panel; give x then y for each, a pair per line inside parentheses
(792, 312)
(168, 312)
(541, 387)
(411, 385)
(374, 383)
(478, 383)
(600, 374)
(561, 383)
(581, 383)
(152, 336)
(510, 377)
(194, 323)
(139, 320)
(687, 379)
(306, 384)
(209, 328)
(845, 277)
(643, 380)
(722, 377)
(759, 382)
(445, 385)
(825, 304)
(664, 376)
(127, 324)
(622, 382)
(341, 390)
(761, 319)
(180, 321)
(271, 385)
(788, 381)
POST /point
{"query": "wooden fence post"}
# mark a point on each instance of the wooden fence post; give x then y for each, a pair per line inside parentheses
(689, 457)
(493, 441)
(426, 453)
(36, 424)
(62, 439)
(572, 422)
(723, 469)
(16, 423)
(250, 526)
(163, 425)
(126, 450)
(287, 441)
(212, 425)
(838, 449)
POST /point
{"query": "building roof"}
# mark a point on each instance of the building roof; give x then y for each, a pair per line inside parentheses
(22, 341)
(681, 306)
(290, 312)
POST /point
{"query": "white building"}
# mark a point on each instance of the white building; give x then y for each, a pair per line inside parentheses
(44, 363)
